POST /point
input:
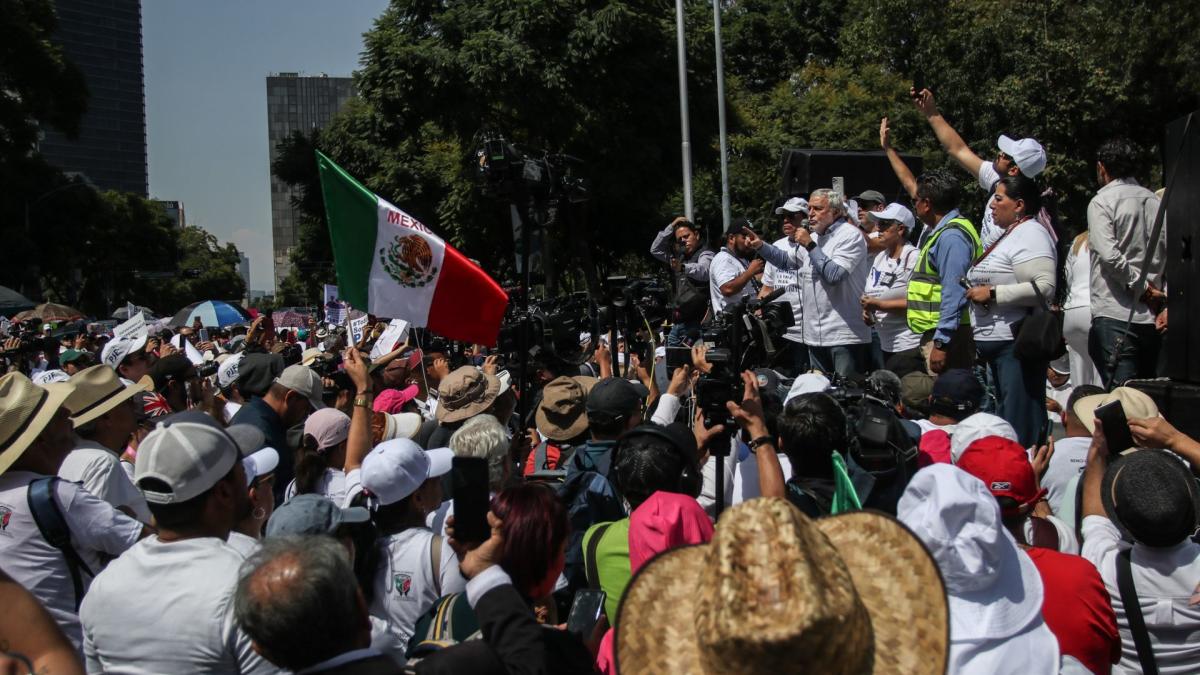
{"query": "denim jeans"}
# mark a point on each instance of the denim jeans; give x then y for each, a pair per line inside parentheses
(683, 334)
(1020, 388)
(845, 360)
(1138, 357)
(875, 355)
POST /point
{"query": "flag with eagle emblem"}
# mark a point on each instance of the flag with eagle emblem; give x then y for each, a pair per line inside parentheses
(391, 265)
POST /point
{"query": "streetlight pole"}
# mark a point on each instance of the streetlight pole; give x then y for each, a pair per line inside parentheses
(725, 217)
(684, 126)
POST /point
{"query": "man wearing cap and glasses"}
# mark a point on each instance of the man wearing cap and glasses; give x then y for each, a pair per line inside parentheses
(795, 214)
(166, 605)
(870, 201)
(35, 437)
(291, 398)
(1024, 156)
(128, 357)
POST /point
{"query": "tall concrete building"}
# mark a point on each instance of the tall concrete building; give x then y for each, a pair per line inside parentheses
(104, 39)
(296, 103)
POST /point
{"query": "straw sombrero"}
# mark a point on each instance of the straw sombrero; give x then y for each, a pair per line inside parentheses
(25, 410)
(776, 591)
(97, 391)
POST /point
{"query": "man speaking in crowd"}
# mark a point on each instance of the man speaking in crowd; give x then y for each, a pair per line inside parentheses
(730, 278)
(681, 245)
(832, 285)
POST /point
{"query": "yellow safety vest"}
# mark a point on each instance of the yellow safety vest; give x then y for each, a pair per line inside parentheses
(925, 286)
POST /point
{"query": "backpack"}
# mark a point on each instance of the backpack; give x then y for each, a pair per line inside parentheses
(54, 530)
(449, 622)
(589, 499)
(548, 461)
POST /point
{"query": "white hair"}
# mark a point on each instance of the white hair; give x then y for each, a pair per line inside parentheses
(483, 436)
(837, 202)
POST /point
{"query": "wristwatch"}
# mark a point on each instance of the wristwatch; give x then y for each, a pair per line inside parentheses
(810, 245)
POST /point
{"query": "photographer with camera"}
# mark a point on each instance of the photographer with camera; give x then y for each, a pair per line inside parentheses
(730, 277)
(838, 341)
(795, 214)
(681, 245)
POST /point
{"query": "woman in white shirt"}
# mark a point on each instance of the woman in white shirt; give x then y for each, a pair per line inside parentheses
(321, 456)
(1002, 295)
(883, 302)
(1077, 312)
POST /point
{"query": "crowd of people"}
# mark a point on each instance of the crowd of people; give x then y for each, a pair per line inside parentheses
(915, 482)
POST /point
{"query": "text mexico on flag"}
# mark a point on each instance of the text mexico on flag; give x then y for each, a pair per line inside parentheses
(390, 265)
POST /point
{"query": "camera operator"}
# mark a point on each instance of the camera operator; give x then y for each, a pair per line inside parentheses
(681, 245)
(832, 286)
(730, 277)
(794, 359)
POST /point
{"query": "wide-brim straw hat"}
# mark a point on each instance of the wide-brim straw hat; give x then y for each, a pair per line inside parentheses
(1136, 404)
(776, 592)
(25, 411)
(97, 391)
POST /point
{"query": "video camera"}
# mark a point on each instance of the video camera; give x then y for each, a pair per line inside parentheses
(504, 170)
(877, 437)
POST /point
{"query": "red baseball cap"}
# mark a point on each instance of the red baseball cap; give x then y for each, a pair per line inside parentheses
(1004, 468)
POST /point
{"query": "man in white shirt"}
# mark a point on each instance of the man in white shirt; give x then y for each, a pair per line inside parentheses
(104, 418)
(1070, 454)
(1025, 156)
(832, 286)
(730, 278)
(166, 605)
(1149, 497)
(1120, 219)
(35, 437)
(794, 360)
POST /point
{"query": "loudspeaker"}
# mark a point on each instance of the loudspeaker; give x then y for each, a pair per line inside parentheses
(1177, 401)
(806, 170)
(1181, 166)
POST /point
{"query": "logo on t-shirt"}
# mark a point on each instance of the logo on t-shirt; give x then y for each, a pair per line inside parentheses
(402, 583)
(5, 516)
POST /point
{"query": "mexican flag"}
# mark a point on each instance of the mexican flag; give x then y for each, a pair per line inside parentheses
(390, 265)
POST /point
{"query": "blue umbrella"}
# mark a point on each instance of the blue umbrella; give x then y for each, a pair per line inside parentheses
(212, 313)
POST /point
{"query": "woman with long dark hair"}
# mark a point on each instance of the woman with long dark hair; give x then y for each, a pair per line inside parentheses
(321, 456)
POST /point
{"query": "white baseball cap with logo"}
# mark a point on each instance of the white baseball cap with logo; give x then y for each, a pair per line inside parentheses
(395, 469)
(118, 348)
(793, 205)
(1027, 153)
(227, 374)
(894, 211)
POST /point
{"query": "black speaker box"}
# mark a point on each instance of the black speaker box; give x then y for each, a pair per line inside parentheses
(1181, 165)
(1177, 401)
(806, 170)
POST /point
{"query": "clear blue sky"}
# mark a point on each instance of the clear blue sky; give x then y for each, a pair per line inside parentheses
(206, 103)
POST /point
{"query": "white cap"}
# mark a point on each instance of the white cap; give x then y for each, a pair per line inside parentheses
(118, 348)
(227, 374)
(401, 425)
(995, 591)
(50, 376)
(304, 381)
(975, 427)
(1028, 154)
(793, 205)
(260, 463)
(808, 383)
(895, 211)
(396, 468)
(190, 457)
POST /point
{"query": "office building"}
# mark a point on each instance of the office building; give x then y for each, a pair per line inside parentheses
(244, 271)
(104, 39)
(174, 211)
(296, 103)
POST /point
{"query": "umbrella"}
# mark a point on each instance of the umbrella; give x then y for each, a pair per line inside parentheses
(123, 312)
(212, 313)
(49, 311)
(12, 302)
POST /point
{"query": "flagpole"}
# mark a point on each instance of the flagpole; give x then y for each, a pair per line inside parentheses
(684, 126)
(725, 217)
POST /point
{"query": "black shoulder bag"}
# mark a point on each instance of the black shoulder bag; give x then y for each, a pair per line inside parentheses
(1040, 335)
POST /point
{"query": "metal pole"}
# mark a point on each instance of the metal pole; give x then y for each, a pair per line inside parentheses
(684, 126)
(725, 217)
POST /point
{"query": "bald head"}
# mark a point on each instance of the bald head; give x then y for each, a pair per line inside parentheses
(299, 602)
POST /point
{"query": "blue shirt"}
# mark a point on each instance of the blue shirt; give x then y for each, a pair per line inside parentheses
(952, 254)
(261, 416)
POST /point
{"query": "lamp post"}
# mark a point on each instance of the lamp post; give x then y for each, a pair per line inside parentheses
(684, 126)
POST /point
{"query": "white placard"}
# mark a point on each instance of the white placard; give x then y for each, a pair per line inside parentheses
(134, 327)
(392, 337)
(188, 350)
(357, 326)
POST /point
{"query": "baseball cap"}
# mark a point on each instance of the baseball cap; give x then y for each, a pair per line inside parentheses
(71, 355)
(172, 367)
(257, 371)
(1027, 153)
(329, 426)
(736, 225)
(304, 381)
(1004, 468)
(793, 205)
(228, 372)
(118, 348)
(975, 427)
(188, 457)
(956, 393)
(260, 463)
(396, 468)
(50, 376)
(894, 211)
(807, 383)
(612, 398)
(870, 196)
(248, 439)
(312, 514)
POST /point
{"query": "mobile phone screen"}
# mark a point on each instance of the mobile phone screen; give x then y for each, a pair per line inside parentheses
(470, 478)
(585, 611)
(1116, 427)
(678, 356)
(204, 335)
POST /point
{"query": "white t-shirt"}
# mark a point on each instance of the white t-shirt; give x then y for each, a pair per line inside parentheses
(789, 280)
(833, 312)
(231, 408)
(244, 544)
(1067, 543)
(96, 527)
(990, 232)
(1027, 241)
(888, 280)
(405, 587)
(726, 267)
(1079, 277)
(745, 477)
(168, 608)
(1067, 462)
(99, 470)
(332, 486)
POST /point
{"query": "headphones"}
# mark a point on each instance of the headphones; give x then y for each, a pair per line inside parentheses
(690, 479)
